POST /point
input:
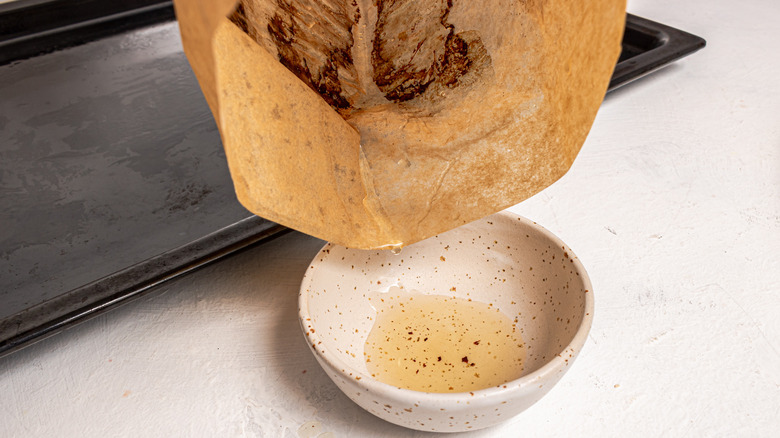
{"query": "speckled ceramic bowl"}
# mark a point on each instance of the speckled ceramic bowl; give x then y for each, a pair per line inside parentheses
(504, 260)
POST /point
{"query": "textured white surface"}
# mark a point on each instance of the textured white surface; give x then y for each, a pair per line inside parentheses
(673, 206)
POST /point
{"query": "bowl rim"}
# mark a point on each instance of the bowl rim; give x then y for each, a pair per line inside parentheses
(525, 383)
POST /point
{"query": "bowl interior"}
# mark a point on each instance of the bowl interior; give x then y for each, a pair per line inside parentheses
(503, 260)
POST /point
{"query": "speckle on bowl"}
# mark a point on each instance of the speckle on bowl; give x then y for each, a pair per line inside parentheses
(504, 260)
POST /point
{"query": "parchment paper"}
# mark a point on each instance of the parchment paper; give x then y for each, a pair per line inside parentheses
(376, 124)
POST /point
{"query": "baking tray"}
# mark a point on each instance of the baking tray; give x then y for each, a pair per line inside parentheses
(112, 175)
(649, 46)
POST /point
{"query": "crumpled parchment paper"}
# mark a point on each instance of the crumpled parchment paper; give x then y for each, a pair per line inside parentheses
(379, 123)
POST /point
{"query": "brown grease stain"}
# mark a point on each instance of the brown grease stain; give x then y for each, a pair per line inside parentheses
(413, 46)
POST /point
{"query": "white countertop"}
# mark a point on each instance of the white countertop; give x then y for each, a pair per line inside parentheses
(673, 206)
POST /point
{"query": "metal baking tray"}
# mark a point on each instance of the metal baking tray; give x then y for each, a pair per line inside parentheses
(112, 175)
(649, 46)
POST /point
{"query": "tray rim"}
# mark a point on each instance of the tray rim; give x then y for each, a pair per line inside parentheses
(36, 323)
(674, 44)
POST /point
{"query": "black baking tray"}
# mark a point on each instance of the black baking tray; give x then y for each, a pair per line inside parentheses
(112, 174)
(649, 46)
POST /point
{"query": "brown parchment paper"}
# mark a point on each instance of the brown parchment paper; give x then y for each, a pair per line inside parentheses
(379, 123)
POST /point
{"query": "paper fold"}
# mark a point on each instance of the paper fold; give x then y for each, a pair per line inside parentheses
(375, 124)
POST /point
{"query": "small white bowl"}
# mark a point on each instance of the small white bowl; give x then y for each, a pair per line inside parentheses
(504, 260)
